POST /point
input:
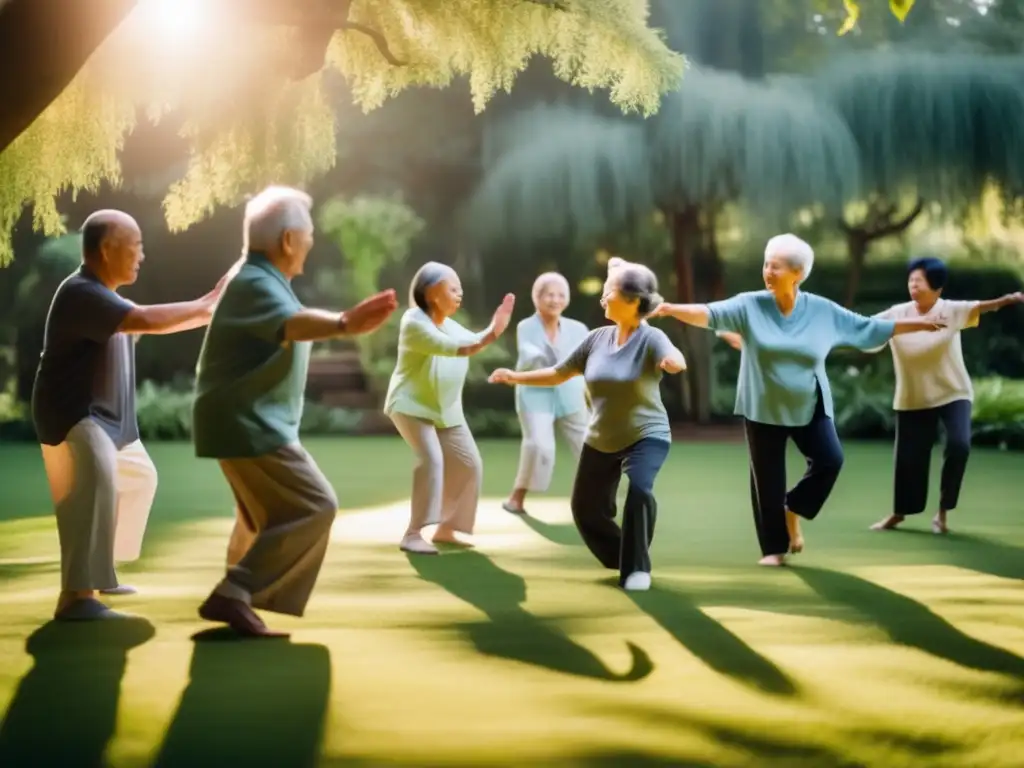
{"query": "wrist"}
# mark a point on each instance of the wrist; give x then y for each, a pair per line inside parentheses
(343, 322)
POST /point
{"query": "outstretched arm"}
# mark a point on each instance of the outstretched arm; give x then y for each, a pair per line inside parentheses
(993, 305)
(691, 314)
(544, 377)
(365, 317)
(426, 338)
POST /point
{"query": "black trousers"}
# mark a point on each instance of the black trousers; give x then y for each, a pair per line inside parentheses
(916, 433)
(819, 444)
(593, 504)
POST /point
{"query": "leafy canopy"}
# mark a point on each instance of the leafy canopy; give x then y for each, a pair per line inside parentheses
(248, 123)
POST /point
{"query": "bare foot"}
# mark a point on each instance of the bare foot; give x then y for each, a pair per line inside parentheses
(796, 537)
(889, 524)
(772, 560)
(450, 537)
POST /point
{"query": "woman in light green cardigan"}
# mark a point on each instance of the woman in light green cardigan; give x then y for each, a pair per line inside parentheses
(424, 401)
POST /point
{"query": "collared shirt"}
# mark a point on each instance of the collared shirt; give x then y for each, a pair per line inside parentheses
(783, 357)
(429, 375)
(930, 369)
(535, 350)
(87, 368)
(250, 382)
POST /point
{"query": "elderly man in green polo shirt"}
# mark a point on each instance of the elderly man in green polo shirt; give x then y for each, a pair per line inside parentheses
(249, 394)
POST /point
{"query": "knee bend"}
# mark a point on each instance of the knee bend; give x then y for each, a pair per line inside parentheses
(639, 495)
(958, 448)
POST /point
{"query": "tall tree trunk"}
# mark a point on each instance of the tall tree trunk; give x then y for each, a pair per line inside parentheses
(686, 245)
(856, 251)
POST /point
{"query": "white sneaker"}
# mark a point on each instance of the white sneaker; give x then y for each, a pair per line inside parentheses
(417, 545)
(638, 581)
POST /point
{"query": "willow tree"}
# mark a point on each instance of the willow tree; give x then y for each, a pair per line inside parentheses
(719, 140)
(930, 130)
(247, 81)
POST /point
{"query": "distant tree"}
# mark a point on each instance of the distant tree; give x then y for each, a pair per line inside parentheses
(720, 140)
(930, 129)
(249, 84)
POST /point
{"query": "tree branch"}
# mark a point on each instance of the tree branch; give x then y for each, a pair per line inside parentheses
(43, 45)
(378, 40)
(879, 222)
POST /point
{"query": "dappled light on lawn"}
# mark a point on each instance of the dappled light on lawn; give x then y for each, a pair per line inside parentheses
(873, 650)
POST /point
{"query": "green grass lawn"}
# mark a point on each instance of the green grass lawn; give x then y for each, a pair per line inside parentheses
(876, 649)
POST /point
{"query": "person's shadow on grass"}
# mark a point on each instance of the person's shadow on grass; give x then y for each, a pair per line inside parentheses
(64, 711)
(257, 703)
(704, 637)
(909, 623)
(511, 632)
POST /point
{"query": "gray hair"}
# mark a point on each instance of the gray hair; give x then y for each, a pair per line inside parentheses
(546, 279)
(797, 253)
(427, 276)
(271, 213)
(635, 281)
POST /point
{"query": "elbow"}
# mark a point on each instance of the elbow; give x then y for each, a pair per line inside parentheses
(137, 321)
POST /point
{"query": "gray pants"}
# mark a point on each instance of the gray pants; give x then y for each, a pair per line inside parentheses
(285, 509)
(102, 498)
(448, 474)
(537, 454)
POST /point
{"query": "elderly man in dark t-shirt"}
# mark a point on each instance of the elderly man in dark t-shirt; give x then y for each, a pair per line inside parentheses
(83, 405)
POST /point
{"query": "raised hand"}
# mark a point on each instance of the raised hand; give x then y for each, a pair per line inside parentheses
(503, 315)
(371, 313)
(659, 311)
(501, 376)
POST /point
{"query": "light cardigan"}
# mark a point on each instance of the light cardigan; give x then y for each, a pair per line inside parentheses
(782, 363)
(536, 351)
(429, 375)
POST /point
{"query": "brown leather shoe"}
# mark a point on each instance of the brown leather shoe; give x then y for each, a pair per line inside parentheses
(237, 615)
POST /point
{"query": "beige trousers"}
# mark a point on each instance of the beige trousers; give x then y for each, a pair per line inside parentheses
(285, 509)
(537, 453)
(102, 498)
(448, 474)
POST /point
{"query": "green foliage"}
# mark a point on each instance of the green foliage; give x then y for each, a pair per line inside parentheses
(938, 125)
(72, 145)
(247, 123)
(372, 234)
(560, 172)
(771, 145)
(165, 413)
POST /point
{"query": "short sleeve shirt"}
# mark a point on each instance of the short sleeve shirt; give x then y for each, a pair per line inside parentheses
(87, 368)
(930, 369)
(250, 382)
(624, 384)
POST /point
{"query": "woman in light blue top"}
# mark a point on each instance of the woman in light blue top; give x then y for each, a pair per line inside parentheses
(424, 401)
(783, 391)
(542, 341)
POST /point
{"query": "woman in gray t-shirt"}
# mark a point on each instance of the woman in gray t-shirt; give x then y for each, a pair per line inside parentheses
(629, 431)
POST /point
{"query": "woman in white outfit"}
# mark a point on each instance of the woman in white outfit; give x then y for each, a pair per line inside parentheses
(424, 401)
(542, 341)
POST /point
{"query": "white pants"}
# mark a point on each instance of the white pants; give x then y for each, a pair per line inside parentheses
(102, 498)
(537, 453)
(448, 474)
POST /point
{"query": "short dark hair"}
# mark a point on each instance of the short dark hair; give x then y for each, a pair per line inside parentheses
(936, 273)
(636, 281)
(94, 231)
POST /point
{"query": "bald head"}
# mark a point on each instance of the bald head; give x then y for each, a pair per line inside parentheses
(112, 247)
(100, 226)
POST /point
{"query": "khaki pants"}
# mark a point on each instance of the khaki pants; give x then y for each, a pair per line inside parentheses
(448, 474)
(285, 509)
(537, 453)
(102, 498)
